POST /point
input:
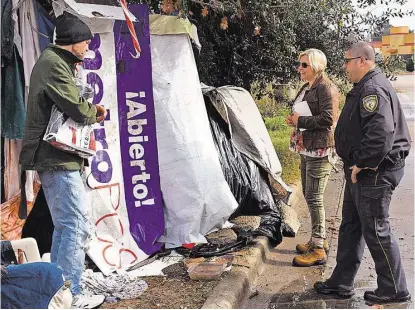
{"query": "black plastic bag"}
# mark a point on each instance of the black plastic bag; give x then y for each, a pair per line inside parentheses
(247, 181)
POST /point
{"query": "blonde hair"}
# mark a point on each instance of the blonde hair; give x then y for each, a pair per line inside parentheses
(318, 60)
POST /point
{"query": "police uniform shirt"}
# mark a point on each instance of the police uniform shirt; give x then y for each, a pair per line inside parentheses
(372, 130)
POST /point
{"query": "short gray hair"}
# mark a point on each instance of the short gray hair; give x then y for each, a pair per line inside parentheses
(362, 49)
(318, 60)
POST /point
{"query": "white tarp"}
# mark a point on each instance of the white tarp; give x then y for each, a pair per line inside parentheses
(195, 192)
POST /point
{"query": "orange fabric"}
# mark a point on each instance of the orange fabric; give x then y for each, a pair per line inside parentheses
(11, 225)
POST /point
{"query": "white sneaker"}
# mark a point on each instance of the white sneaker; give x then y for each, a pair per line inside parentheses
(87, 301)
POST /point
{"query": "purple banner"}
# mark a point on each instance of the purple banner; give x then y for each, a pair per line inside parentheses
(137, 127)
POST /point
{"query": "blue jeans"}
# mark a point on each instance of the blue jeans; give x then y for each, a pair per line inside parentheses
(66, 197)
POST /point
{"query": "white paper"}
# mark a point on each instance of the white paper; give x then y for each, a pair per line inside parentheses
(302, 109)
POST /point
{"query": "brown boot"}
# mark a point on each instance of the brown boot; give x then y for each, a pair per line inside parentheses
(316, 256)
(304, 247)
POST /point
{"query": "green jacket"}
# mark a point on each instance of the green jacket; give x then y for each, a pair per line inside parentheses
(52, 82)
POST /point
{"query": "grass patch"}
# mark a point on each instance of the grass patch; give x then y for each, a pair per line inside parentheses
(279, 133)
(274, 114)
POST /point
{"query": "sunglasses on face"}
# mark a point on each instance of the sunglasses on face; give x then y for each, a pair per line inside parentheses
(302, 64)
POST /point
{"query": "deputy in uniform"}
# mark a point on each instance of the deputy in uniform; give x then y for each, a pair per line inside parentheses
(372, 138)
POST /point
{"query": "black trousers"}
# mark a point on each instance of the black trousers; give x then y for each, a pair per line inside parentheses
(365, 219)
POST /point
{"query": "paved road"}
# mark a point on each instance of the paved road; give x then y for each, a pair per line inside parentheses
(281, 286)
(404, 85)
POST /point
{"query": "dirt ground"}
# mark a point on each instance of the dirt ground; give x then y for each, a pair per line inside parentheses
(175, 291)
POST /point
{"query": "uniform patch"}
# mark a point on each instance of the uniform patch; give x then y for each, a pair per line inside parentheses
(370, 103)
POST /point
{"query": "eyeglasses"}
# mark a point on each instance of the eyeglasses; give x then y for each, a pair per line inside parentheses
(347, 60)
(303, 64)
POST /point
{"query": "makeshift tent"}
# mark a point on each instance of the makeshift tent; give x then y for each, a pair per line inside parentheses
(178, 146)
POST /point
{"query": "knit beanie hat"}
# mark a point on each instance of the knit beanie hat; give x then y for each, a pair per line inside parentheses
(70, 30)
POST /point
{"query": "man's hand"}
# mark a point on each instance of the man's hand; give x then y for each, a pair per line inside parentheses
(101, 113)
(355, 171)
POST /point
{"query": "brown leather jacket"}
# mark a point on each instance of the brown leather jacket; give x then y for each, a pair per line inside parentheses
(323, 100)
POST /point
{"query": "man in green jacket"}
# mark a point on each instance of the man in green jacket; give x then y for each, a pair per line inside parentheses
(53, 83)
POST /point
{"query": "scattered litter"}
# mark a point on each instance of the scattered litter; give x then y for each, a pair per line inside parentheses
(210, 250)
(188, 245)
(122, 286)
(156, 268)
(207, 271)
(227, 225)
(189, 262)
(226, 259)
(152, 259)
(222, 237)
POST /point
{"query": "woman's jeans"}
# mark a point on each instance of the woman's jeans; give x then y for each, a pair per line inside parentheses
(66, 197)
(315, 172)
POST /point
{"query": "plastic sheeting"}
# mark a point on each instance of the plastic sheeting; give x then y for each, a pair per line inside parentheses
(248, 132)
(196, 195)
(249, 161)
(247, 181)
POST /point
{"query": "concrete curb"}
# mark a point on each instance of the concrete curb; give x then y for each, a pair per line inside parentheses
(296, 194)
(232, 291)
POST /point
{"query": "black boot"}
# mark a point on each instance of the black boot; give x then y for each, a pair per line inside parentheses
(341, 290)
(377, 297)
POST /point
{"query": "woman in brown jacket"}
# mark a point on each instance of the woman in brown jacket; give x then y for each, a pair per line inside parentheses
(313, 139)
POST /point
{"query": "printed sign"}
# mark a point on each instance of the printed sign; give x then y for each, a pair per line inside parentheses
(123, 177)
